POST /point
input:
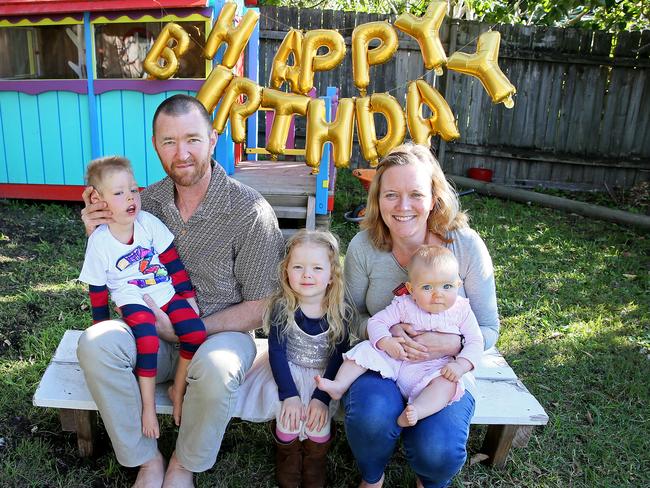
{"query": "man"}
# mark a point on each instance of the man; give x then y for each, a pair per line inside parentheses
(228, 238)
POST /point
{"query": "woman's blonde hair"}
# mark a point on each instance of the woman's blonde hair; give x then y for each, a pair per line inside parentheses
(446, 214)
(284, 302)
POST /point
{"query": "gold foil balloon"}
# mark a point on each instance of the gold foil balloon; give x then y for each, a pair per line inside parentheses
(426, 31)
(213, 87)
(235, 37)
(285, 105)
(238, 112)
(363, 58)
(281, 72)
(373, 149)
(441, 122)
(484, 65)
(311, 62)
(170, 56)
(338, 132)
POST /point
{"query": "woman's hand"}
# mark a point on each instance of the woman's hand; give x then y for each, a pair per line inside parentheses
(414, 351)
(422, 346)
(291, 413)
(95, 212)
(317, 413)
(164, 326)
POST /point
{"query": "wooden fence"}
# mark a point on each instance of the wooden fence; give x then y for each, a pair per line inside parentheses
(582, 111)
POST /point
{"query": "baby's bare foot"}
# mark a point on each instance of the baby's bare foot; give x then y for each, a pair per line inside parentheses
(151, 473)
(332, 388)
(408, 418)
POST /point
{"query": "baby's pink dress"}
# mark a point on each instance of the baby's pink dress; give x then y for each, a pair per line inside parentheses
(412, 377)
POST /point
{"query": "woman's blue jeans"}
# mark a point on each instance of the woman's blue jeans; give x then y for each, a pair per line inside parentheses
(435, 447)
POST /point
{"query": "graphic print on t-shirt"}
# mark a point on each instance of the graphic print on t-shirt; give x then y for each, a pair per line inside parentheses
(143, 257)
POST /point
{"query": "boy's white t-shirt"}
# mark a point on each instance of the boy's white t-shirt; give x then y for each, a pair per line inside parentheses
(130, 270)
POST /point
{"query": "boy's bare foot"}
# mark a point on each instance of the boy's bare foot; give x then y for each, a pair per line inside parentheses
(150, 424)
(408, 418)
(418, 483)
(379, 483)
(176, 396)
(177, 476)
(151, 473)
(330, 387)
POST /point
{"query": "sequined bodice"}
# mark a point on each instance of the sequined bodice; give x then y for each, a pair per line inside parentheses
(306, 350)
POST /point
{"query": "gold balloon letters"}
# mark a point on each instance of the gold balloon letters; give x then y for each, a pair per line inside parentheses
(170, 56)
(363, 58)
(236, 37)
(238, 112)
(426, 32)
(441, 122)
(484, 65)
(338, 132)
(371, 148)
(241, 97)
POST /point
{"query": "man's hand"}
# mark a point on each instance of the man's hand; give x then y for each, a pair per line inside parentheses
(291, 413)
(317, 413)
(95, 212)
(392, 346)
(164, 326)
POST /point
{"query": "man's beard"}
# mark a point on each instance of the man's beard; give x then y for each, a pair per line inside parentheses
(186, 178)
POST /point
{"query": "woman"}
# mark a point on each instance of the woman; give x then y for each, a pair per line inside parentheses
(410, 203)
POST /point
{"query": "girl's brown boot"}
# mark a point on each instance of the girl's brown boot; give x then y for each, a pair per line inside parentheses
(314, 462)
(288, 462)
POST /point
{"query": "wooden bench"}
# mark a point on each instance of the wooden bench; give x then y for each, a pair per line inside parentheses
(502, 403)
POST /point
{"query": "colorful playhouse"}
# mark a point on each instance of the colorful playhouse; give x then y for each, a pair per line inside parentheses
(73, 87)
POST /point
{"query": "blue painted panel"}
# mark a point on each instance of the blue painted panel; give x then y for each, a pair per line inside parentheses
(111, 127)
(31, 138)
(13, 136)
(155, 171)
(135, 142)
(53, 158)
(4, 119)
(84, 131)
(71, 142)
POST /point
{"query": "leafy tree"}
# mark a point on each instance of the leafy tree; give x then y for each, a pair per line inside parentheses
(611, 15)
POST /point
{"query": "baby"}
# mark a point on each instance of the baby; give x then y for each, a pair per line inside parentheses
(432, 304)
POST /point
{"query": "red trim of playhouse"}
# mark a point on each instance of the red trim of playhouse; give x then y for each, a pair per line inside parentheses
(31, 7)
(71, 193)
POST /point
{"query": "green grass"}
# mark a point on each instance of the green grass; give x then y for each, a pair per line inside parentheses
(575, 307)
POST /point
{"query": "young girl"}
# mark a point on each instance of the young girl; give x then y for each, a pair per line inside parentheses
(130, 257)
(432, 305)
(307, 321)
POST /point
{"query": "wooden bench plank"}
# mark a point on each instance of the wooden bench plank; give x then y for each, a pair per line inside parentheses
(501, 398)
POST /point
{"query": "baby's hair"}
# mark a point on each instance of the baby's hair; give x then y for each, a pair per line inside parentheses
(432, 256)
(99, 168)
(284, 302)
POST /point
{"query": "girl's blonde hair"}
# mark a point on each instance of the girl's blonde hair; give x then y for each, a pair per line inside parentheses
(284, 302)
(432, 256)
(446, 214)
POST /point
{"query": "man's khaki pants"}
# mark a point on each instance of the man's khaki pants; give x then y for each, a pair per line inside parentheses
(107, 356)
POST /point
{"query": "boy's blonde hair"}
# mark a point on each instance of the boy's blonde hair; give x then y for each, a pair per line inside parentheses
(98, 169)
(432, 257)
(284, 302)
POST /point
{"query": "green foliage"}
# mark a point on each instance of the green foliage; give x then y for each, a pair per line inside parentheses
(610, 15)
